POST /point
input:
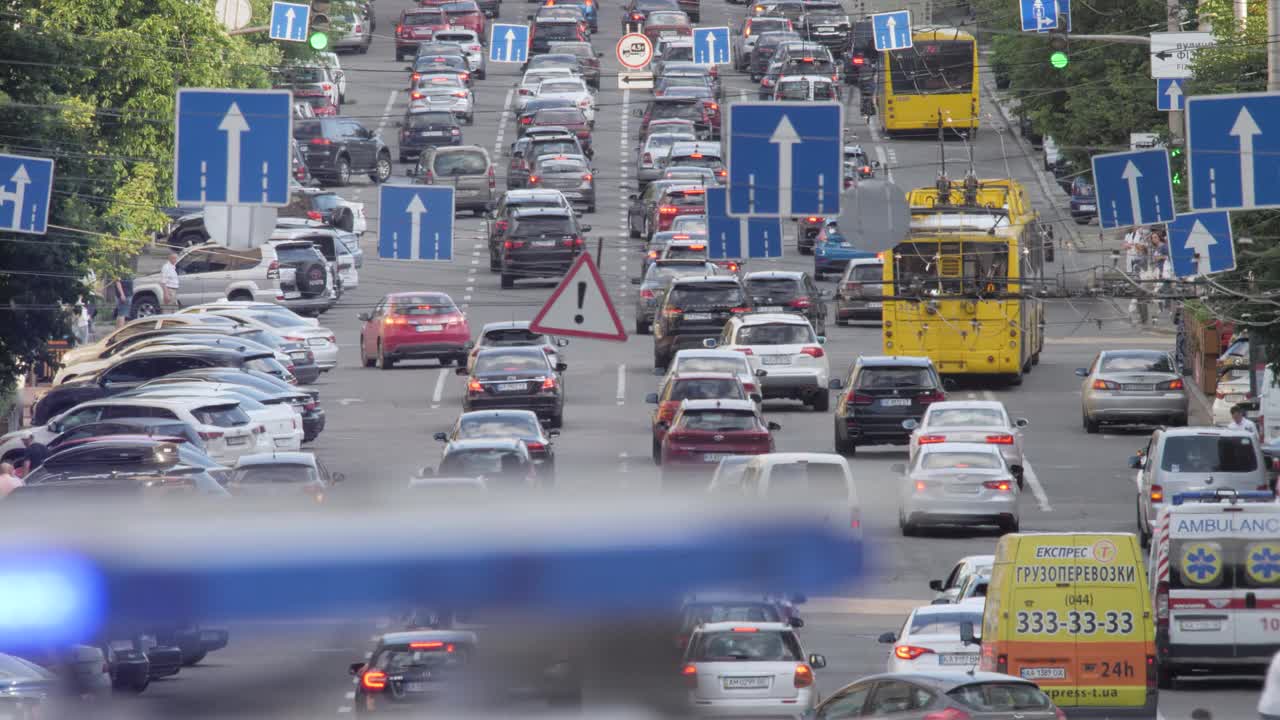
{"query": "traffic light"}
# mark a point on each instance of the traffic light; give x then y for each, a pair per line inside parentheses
(1176, 165)
(318, 30)
(1058, 44)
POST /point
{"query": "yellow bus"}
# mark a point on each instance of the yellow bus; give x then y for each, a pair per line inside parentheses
(935, 81)
(960, 289)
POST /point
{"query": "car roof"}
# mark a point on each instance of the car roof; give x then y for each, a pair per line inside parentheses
(704, 375)
(728, 626)
(894, 360)
(482, 443)
(532, 194)
(945, 680)
(182, 350)
(710, 353)
(726, 404)
(1207, 430)
(944, 608)
(867, 261)
(506, 325)
(984, 404)
(406, 637)
(808, 457)
(416, 293)
(507, 349)
(541, 211)
(771, 318)
(278, 458)
(775, 275)
(705, 279)
(498, 413)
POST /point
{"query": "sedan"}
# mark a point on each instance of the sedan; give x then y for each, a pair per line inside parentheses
(1131, 386)
(443, 92)
(282, 474)
(502, 462)
(957, 484)
(413, 325)
(955, 694)
(515, 333)
(705, 431)
(930, 638)
(570, 175)
(570, 117)
(972, 421)
(574, 89)
(522, 425)
(516, 377)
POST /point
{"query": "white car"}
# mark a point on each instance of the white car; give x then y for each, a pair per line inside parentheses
(280, 474)
(972, 421)
(281, 424)
(957, 484)
(1233, 389)
(929, 640)
(443, 92)
(969, 565)
(749, 669)
(533, 78)
(472, 48)
(574, 89)
(91, 367)
(785, 346)
(289, 325)
(654, 152)
(331, 61)
(697, 360)
(94, 351)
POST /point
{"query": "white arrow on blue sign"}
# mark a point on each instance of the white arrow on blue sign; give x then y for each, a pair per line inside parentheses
(289, 21)
(725, 233)
(508, 43)
(1169, 94)
(1133, 188)
(231, 147)
(415, 222)
(891, 30)
(785, 158)
(1233, 142)
(1064, 17)
(1201, 244)
(1039, 15)
(711, 45)
(26, 184)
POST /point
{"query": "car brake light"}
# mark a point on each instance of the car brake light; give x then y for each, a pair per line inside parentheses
(549, 383)
(745, 351)
(690, 675)
(1162, 604)
(647, 159)
(310, 406)
(803, 676)
(210, 435)
(373, 680)
(526, 120)
(672, 312)
(587, 177)
(501, 225)
(321, 141)
(1175, 384)
(860, 399)
(812, 351)
(509, 244)
(811, 219)
(668, 210)
(534, 179)
(314, 215)
(646, 294)
(492, 179)
(1157, 493)
(999, 439)
(415, 96)
(534, 445)
(802, 302)
(930, 397)
(921, 486)
(474, 386)
(1001, 485)
(909, 652)
(931, 439)
(273, 270)
(1101, 384)
(429, 645)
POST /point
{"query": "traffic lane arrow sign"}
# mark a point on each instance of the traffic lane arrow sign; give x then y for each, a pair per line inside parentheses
(785, 159)
(508, 43)
(1233, 151)
(1201, 244)
(232, 146)
(1169, 95)
(580, 306)
(1133, 188)
(415, 222)
(25, 190)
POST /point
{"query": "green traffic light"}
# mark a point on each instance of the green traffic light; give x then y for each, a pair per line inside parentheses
(1058, 59)
(319, 40)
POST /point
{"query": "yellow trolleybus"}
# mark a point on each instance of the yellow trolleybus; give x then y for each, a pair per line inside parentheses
(933, 83)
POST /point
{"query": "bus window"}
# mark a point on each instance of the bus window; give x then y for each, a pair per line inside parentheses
(939, 67)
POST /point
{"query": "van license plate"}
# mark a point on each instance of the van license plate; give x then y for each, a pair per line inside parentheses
(1138, 387)
(874, 305)
(544, 243)
(1043, 673)
(895, 402)
(415, 687)
(714, 457)
(769, 308)
(746, 683)
(1199, 625)
(237, 440)
(958, 659)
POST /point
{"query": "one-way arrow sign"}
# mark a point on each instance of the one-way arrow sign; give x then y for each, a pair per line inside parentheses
(1169, 94)
(635, 81)
(1200, 244)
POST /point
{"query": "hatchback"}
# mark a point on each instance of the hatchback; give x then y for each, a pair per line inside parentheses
(522, 425)
(540, 242)
(930, 638)
(881, 392)
(430, 128)
(750, 669)
(858, 296)
(569, 174)
(413, 325)
(787, 349)
(705, 431)
(407, 670)
(467, 168)
(690, 386)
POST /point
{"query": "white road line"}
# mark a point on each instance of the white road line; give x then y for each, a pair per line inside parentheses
(622, 384)
(988, 396)
(350, 695)
(1033, 482)
(386, 111)
(439, 391)
(884, 162)
(502, 122)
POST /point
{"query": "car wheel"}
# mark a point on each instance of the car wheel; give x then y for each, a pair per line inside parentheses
(193, 659)
(843, 445)
(909, 529)
(139, 687)
(507, 281)
(656, 452)
(642, 327)
(1009, 526)
(342, 171)
(477, 212)
(842, 322)
(821, 402)
(1091, 426)
(591, 208)
(557, 420)
(384, 362)
(382, 173)
(145, 306)
(364, 49)
(818, 275)
(365, 360)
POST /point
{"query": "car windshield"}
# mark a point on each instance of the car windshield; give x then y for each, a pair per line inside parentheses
(499, 362)
(1137, 362)
(696, 614)
(706, 389)
(965, 417)
(398, 659)
(667, 18)
(775, 334)
(461, 163)
(711, 364)
(471, 462)
(886, 378)
(759, 646)
(718, 420)
(500, 426)
(1208, 454)
(1001, 697)
(273, 474)
(423, 305)
(959, 460)
(424, 18)
(418, 121)
(943, 623)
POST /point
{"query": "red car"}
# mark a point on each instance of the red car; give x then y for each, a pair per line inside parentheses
(667, 23)
(416, 26)
(569, 118)
(689, 386)
(465, 14)
(414, 325)
(678, 200)
(705, 431)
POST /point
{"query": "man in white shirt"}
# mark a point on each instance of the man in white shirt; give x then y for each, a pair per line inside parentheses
(169, 280)
(1240, 422)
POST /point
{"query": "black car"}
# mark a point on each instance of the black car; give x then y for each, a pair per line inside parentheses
(130, 371)
(826, 22)
(635, 12)
(526, 150)
(501, 463)
(151, 426)
(518, 424)
(540, 242)
(500, 216)
(129, 667)
(304, 368)
(694, 309)
(306, 402)
(121, 466)
(766, 45)
(419, 130)
(336, 147)
(522, 378)
(413, 669)
(788, 291)
(548, 30)
(881, 392)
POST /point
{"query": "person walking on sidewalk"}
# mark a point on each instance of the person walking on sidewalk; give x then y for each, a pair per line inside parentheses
(169, 279)
(121, 290)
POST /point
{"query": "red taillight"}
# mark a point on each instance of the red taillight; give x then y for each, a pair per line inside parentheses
(647, 159)
(801, 302)
(859, 399)
(586, 177)
(549, 383)
(509, 244)
(315, 215)
(429, 645)
(1101, 384)
(745, 351)
(1157, 493)
(1176, 384)
(1162, 604)
(646, 294)
(739, 310)
(931, 397)
(535, 446)
(210, 435)
(668, 210)
(414, 77)
(501, 225)
(373, 680)
(1001, 485)
(534, 179)
(321, 141)
(858, 60)
(1002, 664)
(492, 180)
(811, 219)
(1000, 439)
(812, 351)
(415, 96)
(526, 120)
(310, 406)
(400, 30)
(672, 312)
(931, 439)
(474, 386)
(803, 676)
(1152, 677)
(749, 387)
(690, 675)
(909, 652)
(948, 714)
(273, 270)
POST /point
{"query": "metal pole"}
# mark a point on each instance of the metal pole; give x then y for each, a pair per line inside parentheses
(1273, 47)
(1175, 24)
(599, 250)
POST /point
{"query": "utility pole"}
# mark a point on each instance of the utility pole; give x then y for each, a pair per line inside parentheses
(1176, 128)
(1273, 48)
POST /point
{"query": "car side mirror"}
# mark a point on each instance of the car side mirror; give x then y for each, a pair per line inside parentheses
(966, 634)
(822, 339)
(835, 384)
(561, 367)
(796, 622)
(441, 437)
(632, 197)
(338, 477)
(887, 638)
(408, 68)
(426, 471)
(460, 371)
(773, 426)
(355, 668)
(651, 398)
(553, 433)
(471, 345)
(817, 662)
(910, 424)
(1082, 372)
(900, 468)
(585, 228)
(710, 343)
(1021, 422)
(562, 342)
(935, 585)
(761, 373)
(757, 398)
(363, 317)
(1136, 462)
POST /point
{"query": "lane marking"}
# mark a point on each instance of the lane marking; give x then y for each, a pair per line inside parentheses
(439, 391)
(502, 122)
(622, 384)
(386, 110)
(1033, 482)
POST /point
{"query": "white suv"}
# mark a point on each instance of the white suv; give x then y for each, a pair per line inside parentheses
(787, 349)
(749, 669)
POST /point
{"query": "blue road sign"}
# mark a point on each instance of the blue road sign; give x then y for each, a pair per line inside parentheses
(785, 159)
(415, 222)
(725, 233)
(1039, 15)
(1133, 188)
(1169, 94)
(289, 21)
(26, 184)
(892, 30)
(711, 45)
(508, 43)
(232, 146)
(1228, 151)
(1200, 244)
(1064, 17)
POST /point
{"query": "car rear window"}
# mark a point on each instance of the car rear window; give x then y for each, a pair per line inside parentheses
(687, 198)
(959, 460)
(707, 389)
(963, 417)
(423, 305)
(1208, 454)
(1137, 362)
(460, 8)
(418, 121)
(513, 337)
(307, 130)
(794, 90)
(775, 334)
(886, 378)
(679, 252)
(867, 273)
(681, 110)
(711, 364)
(548, 225)
(298, 254)
(471, 462)
(466, 162)
(557, 30)
(758, 646)
(221, 415)
(943, 623)
(556, 165)
(397, 659)
(678, 52)
(718, 420)
(761, 25)
(501, 426)
(280, 473)
(553, 147)
(559, 116)
(777, 288)
(696, 614)
(706, 295)
(424, 18)
(808, 480)
(510, 362)
(667, 18)
(1001, 697)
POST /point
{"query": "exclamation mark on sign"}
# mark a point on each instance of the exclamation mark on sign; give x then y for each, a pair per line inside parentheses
(582, 295)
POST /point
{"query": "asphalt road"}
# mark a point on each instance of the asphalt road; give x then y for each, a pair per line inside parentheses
(380, 422)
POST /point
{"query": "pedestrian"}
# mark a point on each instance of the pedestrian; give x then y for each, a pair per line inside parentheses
(1240, 422)
(169, 280)
(121, 290)
(8, 481)
(34, 454)
(82, 321)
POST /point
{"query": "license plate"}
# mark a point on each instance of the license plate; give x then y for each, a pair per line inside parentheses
(699, 316)
(667, 33)
(1138, 387)
(776, 359)
(544, 243)
(1053, 673)
(958, 659)
(875, 305)
(769, 308)
(826, 28)
(714, 457)
(435, 133)
(895, 402)
(282, 442)
(237, 440)
(415, 687)
(746, 683)
(1088, 207)
(1199, 625)
(430, 328)
(317, 341)
(511, 387)
(298, 355)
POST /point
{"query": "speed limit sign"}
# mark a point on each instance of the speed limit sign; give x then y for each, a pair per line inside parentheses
(634, 51)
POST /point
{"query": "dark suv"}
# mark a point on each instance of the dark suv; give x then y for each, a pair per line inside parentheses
(421, 130)
(336, 147)
(540, 242)
(788, 291)
(500, 216)
(881, 393)
(694, 309)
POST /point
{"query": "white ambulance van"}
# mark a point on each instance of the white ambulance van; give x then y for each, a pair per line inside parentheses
(1215, 583)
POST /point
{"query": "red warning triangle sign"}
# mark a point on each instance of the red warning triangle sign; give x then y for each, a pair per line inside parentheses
(580, 306)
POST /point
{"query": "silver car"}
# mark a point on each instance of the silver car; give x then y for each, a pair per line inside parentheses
(1130, 387)
(957, 484)
(357, 31)
(976, 421)
(749, 669)
(467, 168)
(939, 694)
